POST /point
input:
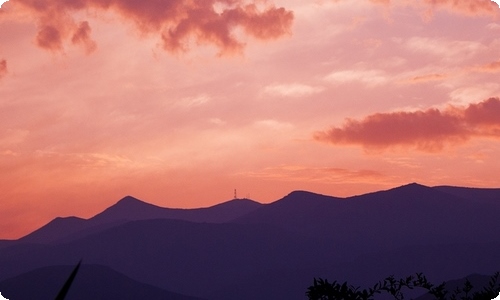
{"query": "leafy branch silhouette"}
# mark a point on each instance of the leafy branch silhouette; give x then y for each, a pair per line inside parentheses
(323, 290)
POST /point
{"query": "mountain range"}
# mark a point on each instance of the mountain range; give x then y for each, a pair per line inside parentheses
(241, 249)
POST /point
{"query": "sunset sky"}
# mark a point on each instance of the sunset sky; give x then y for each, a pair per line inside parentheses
(179, 102)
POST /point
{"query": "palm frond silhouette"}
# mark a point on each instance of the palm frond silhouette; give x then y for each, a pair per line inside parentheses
(64, 290)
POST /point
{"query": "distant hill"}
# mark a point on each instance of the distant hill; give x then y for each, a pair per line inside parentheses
(245, 250)
(185, 257)
(478, 282)
(94, 282)
(130, 209)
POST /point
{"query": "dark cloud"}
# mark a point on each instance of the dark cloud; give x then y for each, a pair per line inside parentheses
(3, 68)
(82, 36)
(428, 130)
(49, 38)
(175, 22)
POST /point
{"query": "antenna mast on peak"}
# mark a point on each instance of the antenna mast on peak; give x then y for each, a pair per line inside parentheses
(235, 194)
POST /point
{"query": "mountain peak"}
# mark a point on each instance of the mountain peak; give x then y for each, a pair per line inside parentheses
(414, 186)
(238, 202)
(298, 198)
(129, 199)
(419, 184)
(301, 194)
(127, 208)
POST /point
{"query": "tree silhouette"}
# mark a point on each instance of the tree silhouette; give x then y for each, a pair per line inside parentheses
(323, 290)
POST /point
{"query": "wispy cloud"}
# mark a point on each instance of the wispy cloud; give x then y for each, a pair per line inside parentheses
(217, 121)
(190, 102)
(428, 77)
(446, 49)
(292, 90)
(429, 130)
(9, 137)
(370, 78)
(493, 26)
(271, 124)
(464, 95)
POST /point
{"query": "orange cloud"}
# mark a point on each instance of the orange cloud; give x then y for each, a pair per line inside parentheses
(176, 22)
(492, 67)
(3, 68)
(469, 7)
(427, 130)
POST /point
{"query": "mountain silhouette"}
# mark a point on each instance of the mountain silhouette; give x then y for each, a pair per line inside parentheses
(259, 250)
(55, 229)
(477, 194)
(410, 214)
(6, 243)
(130, 208)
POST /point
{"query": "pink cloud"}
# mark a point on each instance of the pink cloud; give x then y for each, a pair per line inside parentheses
(176, 22)
(486, 113)
(428, 130)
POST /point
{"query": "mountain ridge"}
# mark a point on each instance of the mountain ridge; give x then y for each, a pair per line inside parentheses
(361, 239)
(235, 210)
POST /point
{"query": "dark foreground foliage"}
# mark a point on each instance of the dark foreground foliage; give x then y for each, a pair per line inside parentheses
(324, 290)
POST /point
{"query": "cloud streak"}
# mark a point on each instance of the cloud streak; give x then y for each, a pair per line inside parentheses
(177, 23)
(322, 174)
(428, 130)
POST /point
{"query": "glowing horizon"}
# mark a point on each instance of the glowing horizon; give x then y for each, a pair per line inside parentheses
(180, 104)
